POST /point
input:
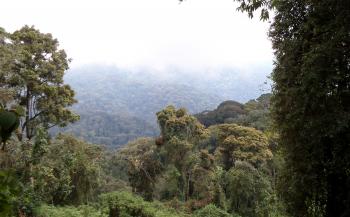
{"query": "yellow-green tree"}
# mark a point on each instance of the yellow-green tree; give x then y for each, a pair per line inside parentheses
(238, 143)
(180, 135)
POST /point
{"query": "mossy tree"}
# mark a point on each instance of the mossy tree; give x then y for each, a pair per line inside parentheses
(238, 143)
(32, 68)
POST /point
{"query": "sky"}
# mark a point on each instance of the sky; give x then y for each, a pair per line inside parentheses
(193, 35)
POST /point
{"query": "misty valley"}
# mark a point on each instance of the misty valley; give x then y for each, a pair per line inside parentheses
(117, 106)
(105, 141)
(175, 108)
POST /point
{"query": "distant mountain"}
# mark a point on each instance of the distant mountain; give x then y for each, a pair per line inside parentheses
(254, 113)
(224, 113)
(110, 129)
(118, 105)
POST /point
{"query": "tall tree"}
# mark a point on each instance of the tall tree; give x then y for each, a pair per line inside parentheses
(34, 70)
(311, 102)
(6, 94)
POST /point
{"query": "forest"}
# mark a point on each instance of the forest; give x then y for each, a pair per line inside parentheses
(118, 105)
(283, 154)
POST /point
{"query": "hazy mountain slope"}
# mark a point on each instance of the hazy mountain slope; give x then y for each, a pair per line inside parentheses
(117, 105)
(254, 113)
(110, 129)
(134, 94)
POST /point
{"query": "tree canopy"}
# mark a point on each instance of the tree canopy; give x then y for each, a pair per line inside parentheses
(310, 103)
(32, 69)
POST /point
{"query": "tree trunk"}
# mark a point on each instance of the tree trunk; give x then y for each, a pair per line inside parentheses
(26, 123)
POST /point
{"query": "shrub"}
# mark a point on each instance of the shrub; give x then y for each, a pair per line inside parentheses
(212, 211)
(68, 211)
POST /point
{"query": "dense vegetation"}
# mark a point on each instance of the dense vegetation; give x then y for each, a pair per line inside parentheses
(254, 113)
(189, 170)
(118, 105)
(310, 104)
(110, 129)
(223, 170)
(230, 162)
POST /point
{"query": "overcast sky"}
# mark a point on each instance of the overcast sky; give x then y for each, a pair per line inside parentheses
(194, 34)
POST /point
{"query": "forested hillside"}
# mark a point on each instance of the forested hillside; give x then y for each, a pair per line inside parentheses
(187, 169)
(189, 149)
(255, 113)
(117, 106)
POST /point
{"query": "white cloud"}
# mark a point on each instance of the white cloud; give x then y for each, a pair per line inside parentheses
(150, 33)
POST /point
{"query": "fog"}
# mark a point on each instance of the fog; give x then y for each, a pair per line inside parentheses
(195, 36)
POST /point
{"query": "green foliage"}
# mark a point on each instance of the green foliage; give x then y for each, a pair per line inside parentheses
(258, 113)
(250, 7)
(176, 168)
(9, 191)
(225, 112)
(167, 185)
(68, 211)
(177, 123)
(118, 106)
(34, 70)
(237, 143)
(112, 129)
(180, 136)
(255, 113)
(246, 190)
(127, 205)
(56, 171)
(140, 163)
(132, 151)
(212, 211)
(311, 102)
(69, 171)
(6, 55)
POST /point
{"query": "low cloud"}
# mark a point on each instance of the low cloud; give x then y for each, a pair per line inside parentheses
(196, 35)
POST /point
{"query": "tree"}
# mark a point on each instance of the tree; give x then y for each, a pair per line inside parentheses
(311, 101)
(6, 55)
(9, 191)
(237, 143)
(143, 166)
(212, 211)
(33, 69)
(226, 111)
(180, 124)
(66, 170)
(247, 189)
(180, 135)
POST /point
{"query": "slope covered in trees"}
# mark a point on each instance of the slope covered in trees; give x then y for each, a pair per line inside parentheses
(234, 166)
(190, 167)
(124, 102)
(189, 170)
(110, 129)
(255, 113)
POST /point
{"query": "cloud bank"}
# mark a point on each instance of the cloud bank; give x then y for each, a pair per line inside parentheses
(193, 35)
